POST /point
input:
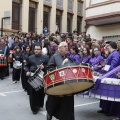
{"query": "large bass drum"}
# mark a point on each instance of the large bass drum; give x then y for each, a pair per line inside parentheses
(68, 80)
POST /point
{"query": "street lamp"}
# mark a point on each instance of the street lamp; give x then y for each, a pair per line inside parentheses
(2, 24)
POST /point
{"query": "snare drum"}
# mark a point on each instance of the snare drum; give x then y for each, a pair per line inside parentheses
(3, 61)
(17, 65)
(68, 80)
(36, 80)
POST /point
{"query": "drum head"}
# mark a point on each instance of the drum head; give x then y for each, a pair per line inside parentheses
(71, 87)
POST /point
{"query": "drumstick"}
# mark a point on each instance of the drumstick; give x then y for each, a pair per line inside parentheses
(37, 70)
(65, 60)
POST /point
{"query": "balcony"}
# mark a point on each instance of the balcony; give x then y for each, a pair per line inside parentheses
(103, 13)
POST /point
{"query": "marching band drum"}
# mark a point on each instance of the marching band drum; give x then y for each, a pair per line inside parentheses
(36, 79)
(68, 80)
(3, 61)
(17, 65)
(107, 88)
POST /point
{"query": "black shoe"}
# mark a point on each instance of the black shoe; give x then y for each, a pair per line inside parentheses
(101, 111)
(2, 78)
(35, 112)
(49, 117)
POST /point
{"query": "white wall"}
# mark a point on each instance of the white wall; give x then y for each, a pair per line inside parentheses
(99, 31)
(114, 7)
(97, 1)
(6, 7)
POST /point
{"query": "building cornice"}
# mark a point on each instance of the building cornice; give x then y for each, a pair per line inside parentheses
(103, 16)
(102, 3)
(35, 1)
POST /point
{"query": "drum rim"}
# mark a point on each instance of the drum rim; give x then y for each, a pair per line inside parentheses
(66, 67)
(75, 79)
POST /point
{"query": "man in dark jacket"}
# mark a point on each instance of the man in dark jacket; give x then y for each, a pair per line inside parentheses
(4, 53)
(35, 61)
(60, 107)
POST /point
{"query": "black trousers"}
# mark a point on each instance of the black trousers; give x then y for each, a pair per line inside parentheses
(61, 107)
(24, 79)
(16, 74)
(36, 98)
(2, 72)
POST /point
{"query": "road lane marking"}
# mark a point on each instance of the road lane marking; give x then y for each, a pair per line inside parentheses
(45, 112)
(87, 104)
(3, 93)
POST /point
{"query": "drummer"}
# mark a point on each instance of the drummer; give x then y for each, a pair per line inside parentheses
(4, 50)
(61, 107)
(35, 61)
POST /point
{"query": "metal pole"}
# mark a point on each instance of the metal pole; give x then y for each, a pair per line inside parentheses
(2, 25)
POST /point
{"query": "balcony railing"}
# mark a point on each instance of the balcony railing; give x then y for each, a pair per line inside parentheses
(80, 8)
(70, 6)
(48, 2)
(59, 4)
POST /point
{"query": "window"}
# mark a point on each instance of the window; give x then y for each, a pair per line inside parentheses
(46, 19)
(69, 23)
(32, 16)
(31, 19)
(15, 16)
(79, 23)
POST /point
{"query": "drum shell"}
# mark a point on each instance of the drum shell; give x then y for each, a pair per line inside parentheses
(68, 80)
(3, 62)
(36, 81)
(17, 65)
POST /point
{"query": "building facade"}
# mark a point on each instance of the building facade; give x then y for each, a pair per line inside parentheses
(34, 15)
(103, 19)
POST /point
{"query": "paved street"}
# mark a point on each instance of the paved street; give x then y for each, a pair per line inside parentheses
(14, 105)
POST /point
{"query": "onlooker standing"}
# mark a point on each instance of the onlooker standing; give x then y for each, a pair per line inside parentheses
(10, 41)
(45, 31)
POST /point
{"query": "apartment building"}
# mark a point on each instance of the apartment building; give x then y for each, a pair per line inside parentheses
(34, 15)
(103, 19)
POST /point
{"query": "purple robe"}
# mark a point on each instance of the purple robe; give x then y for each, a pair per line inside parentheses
(86, 59)
(110, 107)
(75, 57)
(96, 61)
(113, 60)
